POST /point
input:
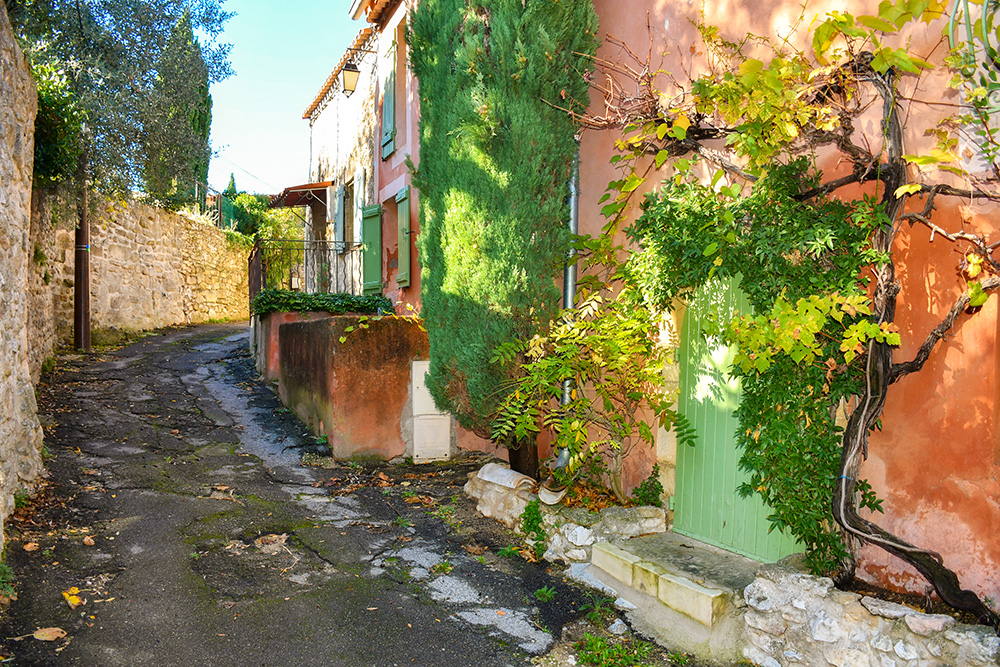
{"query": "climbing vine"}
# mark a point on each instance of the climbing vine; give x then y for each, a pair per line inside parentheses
(746, 198)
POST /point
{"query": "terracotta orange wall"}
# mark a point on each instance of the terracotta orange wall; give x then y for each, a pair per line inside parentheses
(266, 340)
(937, 460)
(356, 392)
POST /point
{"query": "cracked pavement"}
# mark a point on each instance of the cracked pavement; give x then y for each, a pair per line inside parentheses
(178, 506)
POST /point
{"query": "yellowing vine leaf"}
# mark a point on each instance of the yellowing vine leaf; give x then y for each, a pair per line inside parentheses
(907, 189)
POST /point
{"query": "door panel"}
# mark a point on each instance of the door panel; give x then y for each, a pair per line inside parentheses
(707, 505)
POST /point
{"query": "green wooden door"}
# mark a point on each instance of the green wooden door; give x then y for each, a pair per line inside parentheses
(371, 257)
(707, 506)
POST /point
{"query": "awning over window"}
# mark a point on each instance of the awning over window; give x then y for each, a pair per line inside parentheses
(301, 195)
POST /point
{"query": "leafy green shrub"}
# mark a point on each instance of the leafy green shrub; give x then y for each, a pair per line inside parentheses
(285, 301)
(607, 351)
(650, 491)
(600, 608)
(22, 498)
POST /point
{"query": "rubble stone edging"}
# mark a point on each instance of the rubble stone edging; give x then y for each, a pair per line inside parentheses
(572, 531)
(799, 619)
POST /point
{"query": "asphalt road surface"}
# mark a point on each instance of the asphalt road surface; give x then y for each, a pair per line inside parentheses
(179, 510)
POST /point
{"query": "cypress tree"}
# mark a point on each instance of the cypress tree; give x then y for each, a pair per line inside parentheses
(496, 153)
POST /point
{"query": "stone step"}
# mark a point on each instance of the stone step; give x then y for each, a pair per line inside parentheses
(695, 579)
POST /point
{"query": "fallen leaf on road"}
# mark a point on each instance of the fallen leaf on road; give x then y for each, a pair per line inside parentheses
(474, 549)
(48, 634)
(90, 471)
(222, 492)
(501, 612)
(271, 544)
(72, 597)
(89, 540)
(31, 546)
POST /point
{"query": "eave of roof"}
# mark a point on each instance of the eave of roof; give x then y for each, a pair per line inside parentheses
(358, 43)
(300, 195)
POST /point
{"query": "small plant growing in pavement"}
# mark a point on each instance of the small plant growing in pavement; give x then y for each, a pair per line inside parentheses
(21, 498)
(508, 551)
(533, 528)
(7, 581)
(679, 658)
(593, 650)
(444, 567)
(545, 594)
(402, 522)
(600, 609)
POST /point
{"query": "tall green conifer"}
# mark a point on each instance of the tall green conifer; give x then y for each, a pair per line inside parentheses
(496, 154)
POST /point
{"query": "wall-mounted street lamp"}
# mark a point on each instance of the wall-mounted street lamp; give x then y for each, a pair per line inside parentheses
(350, 73)
(349, 78)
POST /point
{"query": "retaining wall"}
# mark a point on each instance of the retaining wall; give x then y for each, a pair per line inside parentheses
(150, 268)
(20, 434)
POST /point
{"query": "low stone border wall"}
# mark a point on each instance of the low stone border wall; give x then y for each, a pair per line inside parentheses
(572, 532)
(798, 619)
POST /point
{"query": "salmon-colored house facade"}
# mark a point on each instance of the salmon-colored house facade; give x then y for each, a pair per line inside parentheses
(936, 461)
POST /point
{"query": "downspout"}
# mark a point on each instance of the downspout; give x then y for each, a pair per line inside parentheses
(551, 491)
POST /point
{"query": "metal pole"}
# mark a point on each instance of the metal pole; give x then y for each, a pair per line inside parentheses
(81, 282)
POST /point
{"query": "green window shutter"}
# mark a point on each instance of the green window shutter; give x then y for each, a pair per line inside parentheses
(338, 215)
(389, 107)
(403, 219)
(371, 258)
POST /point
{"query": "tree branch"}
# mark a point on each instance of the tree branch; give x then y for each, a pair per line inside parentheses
(902, 369)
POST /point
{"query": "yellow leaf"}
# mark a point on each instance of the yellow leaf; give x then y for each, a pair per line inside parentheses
(682, 121)
(72, 599)
(907, 189)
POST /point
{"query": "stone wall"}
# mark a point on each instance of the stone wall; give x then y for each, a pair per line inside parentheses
(149, 268)
(20, 433)
(798, 619)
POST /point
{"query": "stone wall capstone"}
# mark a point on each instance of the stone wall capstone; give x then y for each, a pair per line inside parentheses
(20, 433)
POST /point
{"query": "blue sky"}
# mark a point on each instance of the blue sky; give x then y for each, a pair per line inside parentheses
(282, 53)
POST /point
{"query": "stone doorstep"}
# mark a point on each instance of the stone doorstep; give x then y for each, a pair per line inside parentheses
(704, 601)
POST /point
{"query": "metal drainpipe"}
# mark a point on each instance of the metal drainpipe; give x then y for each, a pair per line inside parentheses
(551, 491)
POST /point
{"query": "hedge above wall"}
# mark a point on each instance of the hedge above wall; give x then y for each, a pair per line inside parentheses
(285, 301)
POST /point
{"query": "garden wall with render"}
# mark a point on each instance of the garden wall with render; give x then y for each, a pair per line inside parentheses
(20, 433)
(150, 268)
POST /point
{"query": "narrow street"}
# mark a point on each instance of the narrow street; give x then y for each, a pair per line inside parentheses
(178, 509)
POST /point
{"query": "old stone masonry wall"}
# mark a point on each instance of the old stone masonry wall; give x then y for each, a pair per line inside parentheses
(149, 268)
(20, 434)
